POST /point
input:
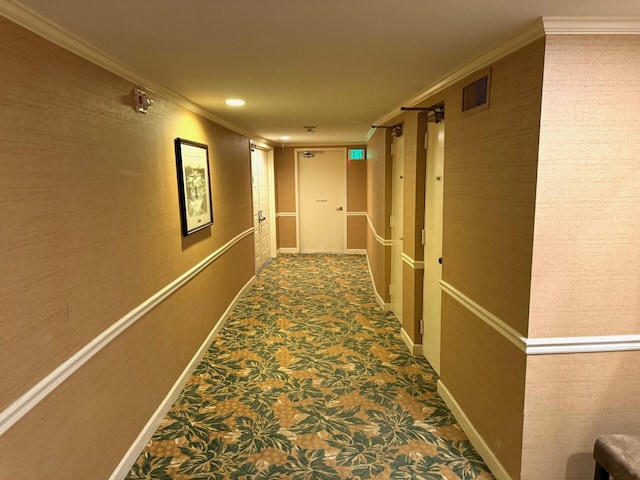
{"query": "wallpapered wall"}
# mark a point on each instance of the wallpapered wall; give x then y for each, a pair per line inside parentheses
(91, 230)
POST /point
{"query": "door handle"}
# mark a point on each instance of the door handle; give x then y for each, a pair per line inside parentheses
(440, 260)
(339, 209)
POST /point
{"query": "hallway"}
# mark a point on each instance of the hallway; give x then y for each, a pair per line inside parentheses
(309, 379)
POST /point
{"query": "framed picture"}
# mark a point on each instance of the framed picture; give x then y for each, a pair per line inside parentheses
(194, 186)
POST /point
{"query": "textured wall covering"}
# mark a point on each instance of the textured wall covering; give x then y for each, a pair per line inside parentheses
(586, 264)
(586, 252)
(90, 230)
(379, 168)
(284, 165)
(356, 185)
(489, 189)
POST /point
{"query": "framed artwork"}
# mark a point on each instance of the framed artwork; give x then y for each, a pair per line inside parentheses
(194, 186)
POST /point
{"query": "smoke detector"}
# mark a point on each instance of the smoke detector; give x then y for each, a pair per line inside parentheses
(309, 128)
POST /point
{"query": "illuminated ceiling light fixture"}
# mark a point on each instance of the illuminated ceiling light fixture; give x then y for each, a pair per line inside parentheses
(283, 139)
(235, 102)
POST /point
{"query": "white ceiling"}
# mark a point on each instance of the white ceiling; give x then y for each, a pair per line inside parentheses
(340, 65)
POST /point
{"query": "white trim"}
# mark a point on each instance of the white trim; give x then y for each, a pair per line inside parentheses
(382, 241)
(476, 439)
(288, 250)
(273, 240)
(286, 214)
(355, 251)
(599, 344)
(530, 34)
(485, 315)
(149, 429)
(356, 214)
(415, 264)
(386, 307)
(414, 348)
(591, 25)
(18, 409)
(545, 345)
(43, 27)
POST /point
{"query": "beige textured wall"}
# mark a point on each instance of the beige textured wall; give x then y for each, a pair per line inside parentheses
(379, 168)
(489, 196)
(485, 373)
(357, 232)
(285, 179)
(586, 262)
(489, 188)
(90, 230)
(356, 185)
(586, 252)
(286, 232)
(570, 400)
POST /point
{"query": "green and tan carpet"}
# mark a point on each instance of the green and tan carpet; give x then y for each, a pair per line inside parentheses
(310, 380)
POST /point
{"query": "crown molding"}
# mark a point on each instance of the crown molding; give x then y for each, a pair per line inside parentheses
(531, 33)
(36, 23)
(591, 25)
(542, 26)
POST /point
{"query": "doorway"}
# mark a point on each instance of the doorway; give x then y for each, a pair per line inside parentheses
(433, 244)
(261, 206)
(321, 196)
(396, 223)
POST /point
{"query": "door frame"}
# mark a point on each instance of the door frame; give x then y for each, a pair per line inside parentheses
(437, 154)
(397, 231)
(271, 179)
(296, 156)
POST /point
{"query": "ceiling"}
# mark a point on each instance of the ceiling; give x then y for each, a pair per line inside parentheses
(338, 65)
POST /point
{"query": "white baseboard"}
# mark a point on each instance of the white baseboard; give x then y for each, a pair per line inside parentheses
(476, 439)
(149, 429)
(288, 250)
(414, 348)
(355, 251)
(386, 307)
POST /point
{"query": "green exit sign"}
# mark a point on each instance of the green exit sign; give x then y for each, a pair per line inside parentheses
(357, 154)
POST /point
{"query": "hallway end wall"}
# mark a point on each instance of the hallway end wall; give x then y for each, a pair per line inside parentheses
(286, 215)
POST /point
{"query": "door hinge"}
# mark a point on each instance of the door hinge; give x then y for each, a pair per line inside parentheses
(423, 236)
(426, 140)
(421, 327)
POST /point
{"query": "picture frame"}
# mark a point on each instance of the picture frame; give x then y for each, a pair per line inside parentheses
(194, 185)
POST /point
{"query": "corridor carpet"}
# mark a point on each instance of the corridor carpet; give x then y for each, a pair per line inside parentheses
(310, 380)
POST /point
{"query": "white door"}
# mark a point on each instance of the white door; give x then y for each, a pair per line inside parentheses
(433, 244)
(322, 201)
(397, 199)
(261, 213)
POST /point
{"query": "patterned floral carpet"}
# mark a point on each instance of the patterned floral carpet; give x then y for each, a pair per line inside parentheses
(310, 380)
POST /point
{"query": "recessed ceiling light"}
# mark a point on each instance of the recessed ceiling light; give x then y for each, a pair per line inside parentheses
(235, 102)
(285, 137)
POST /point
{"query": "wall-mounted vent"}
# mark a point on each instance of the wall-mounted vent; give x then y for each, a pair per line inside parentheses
(475, 95)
